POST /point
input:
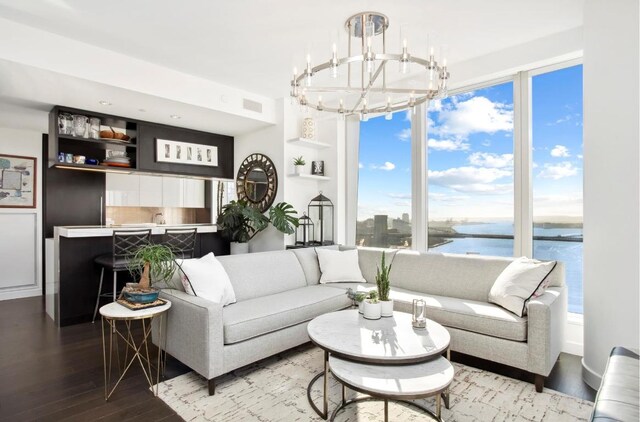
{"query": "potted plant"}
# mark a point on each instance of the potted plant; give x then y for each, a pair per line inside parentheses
(384, 286)
(239, 222)
(298, 164)
(372, 306)
(153, 264)
(359, 299)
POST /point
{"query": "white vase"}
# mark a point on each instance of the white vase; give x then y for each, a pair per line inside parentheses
(308, 128)
(371, 310)
(386, 308)
(299, 169)
(361, 307)
(238, 248)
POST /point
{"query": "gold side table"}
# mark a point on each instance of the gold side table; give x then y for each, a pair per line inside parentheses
(111, 314)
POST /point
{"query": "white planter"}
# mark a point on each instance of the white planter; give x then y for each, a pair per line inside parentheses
(238, 248)
(361, 307)
(299, 169)
(386, 308)
(371, 310)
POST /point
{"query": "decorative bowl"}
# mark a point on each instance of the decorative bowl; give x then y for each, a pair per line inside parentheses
(141, 296)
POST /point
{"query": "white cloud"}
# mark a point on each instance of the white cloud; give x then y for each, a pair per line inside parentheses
(486, 143)
(560, 151)
(447, 198)
(475, 115)
(387, 166)
(472, 179)
(399, 195)
(448, 144)
(435, 105)
(558, 171)
(580, 156)
(404, 135)
(360, 165)
(487, 159)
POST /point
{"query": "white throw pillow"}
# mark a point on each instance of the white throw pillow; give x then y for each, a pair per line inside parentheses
(517, 283)
(206, 278)
(339, 266)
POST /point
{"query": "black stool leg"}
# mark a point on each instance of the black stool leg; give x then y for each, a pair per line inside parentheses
(95, 311)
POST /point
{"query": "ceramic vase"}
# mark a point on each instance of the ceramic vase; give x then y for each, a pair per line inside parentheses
(299, 169)
(238, 248)
(361, 307)
(386, 308)
(372, 310)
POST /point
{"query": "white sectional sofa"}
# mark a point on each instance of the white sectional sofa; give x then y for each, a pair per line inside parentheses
(278, 293)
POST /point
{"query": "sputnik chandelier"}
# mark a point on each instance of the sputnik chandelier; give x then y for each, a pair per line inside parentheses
(365, 86)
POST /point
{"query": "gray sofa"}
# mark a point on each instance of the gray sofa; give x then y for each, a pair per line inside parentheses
(618, 398)
(278, 293)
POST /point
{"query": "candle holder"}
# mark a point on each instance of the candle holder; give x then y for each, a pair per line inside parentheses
(419, 318)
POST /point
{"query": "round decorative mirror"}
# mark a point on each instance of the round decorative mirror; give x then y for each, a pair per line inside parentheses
(257, 181)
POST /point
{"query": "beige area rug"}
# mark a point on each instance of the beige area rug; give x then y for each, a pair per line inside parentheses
(276, 390)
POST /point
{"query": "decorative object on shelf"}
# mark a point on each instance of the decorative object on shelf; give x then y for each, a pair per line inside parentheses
(305, 232)
(65, 124)
(298, 165)
(79, 125)
(317, 168)
(419, 319)
(79, 159)
(91, 161)
(308, 128)
(240, 221)
(17, 181)
(68, 158)
(94, 128)
(384, 286)
(186, 153)
(372, 308)
(61, 157)
(257, 181)
(367, 89)
(320, 210)
(153, 264)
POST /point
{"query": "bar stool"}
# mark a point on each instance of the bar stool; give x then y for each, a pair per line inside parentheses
(125, 245)
(182, 242)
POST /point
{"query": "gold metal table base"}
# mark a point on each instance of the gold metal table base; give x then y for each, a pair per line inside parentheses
(140, 352)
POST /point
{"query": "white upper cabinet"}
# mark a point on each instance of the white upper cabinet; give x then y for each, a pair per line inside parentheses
(193, 191)
(123, 190)
(172, 192)
(150, 191)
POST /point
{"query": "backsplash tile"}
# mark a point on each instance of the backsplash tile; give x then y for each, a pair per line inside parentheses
(133, 215)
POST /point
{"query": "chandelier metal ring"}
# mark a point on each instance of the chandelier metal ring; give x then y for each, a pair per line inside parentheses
(365, 26)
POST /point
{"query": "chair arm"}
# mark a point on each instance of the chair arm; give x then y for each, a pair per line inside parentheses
(194, 332)
(547, 318)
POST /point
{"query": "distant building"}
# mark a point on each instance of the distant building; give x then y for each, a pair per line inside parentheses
(406, 218)
(380, 230)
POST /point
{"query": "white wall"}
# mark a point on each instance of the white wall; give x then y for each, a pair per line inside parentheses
(611, 200)
(21, 229)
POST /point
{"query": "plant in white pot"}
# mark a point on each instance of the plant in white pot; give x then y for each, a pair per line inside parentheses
(239, 222)
(384, 286)
(298, 165)
(359, 298)
(372, 309)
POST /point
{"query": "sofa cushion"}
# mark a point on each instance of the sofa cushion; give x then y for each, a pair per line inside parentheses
(470, 315)
(339, 266)
(255, 317)
(308, 259)
(619, 394)
(261, 274)
(369, 260)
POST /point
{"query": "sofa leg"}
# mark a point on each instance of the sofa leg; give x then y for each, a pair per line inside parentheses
(539, 381)
(212, 386)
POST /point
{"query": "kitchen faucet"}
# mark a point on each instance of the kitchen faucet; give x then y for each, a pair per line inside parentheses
(158, 218)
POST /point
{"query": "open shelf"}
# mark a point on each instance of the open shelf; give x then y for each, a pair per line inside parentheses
(311, 177)
(309, 143)
(98, 141)
(100, 168)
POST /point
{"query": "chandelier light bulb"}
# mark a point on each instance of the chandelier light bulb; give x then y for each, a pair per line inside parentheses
(388, 115)
(334, 62)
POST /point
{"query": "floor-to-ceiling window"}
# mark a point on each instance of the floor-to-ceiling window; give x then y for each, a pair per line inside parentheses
(556, 108)
(470, 177)
(384, 182)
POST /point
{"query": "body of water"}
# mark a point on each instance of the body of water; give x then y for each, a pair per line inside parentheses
(570, 253)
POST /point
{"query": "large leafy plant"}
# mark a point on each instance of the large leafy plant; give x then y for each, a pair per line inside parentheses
(239, 221)
(153, 263)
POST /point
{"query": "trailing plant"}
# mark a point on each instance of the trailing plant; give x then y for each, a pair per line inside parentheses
(153, 264)
(240, 221)
(382, 279)
(299, 161)
(284, 217)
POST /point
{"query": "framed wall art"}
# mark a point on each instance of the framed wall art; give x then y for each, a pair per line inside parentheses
(186, 153)
(17, 181)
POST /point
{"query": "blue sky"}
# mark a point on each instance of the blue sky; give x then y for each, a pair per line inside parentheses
(470, 161)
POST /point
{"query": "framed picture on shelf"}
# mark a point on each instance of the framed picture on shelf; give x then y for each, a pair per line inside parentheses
(317, 168)
(186, 153)
(17, 181)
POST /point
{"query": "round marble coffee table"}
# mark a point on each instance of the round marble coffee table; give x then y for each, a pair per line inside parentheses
(386, 341)
(393, 382)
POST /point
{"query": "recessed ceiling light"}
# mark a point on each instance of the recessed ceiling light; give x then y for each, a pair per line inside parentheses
(174, 116)
(104, 102)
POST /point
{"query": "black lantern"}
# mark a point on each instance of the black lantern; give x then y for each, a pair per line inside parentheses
(305, 232)
(321, 212)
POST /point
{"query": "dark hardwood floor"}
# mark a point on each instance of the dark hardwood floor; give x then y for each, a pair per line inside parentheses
(52, 374)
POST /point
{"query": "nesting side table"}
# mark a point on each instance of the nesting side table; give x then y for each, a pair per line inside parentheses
(111, 314)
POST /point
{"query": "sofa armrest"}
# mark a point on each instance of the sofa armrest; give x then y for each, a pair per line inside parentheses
(547, 318)
(194, 332)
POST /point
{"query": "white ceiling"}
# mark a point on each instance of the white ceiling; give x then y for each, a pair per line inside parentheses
(253, 45)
